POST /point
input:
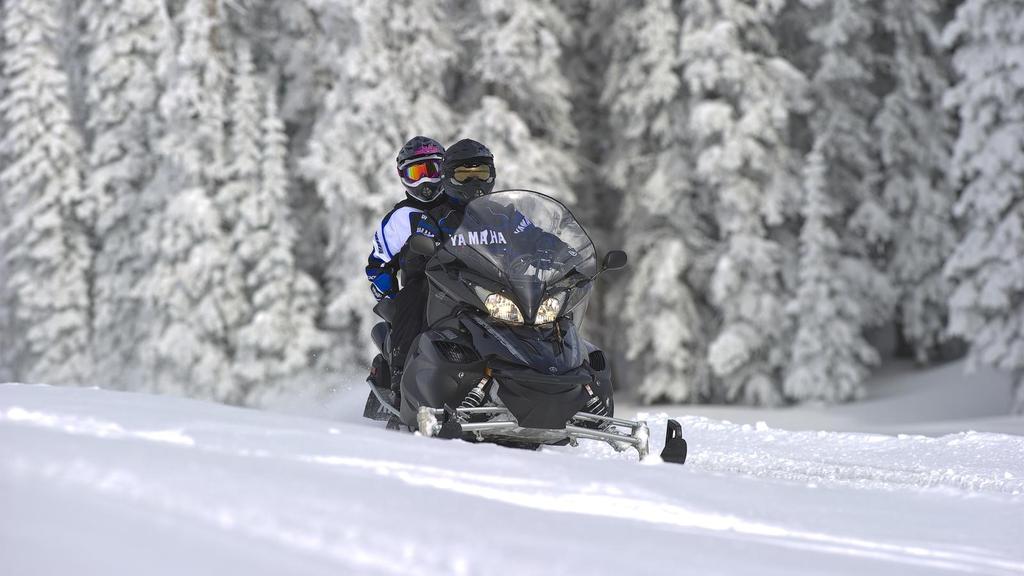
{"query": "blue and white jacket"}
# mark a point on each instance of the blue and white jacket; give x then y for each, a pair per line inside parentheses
(389, 253)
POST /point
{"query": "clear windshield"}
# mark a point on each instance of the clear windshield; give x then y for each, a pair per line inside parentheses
(525, 240)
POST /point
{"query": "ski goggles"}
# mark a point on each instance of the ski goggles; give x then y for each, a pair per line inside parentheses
(480, 172)
(420, 169)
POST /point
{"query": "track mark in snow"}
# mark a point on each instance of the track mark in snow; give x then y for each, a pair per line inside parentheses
(365, 553)
(92, 426)
(963, 462)
(267, 480)
(608, 501)
(960, 461)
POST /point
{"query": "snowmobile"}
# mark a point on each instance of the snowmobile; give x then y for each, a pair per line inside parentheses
(503, 359)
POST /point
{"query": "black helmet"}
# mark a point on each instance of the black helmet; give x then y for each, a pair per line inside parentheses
(419, 167)
(467, 184)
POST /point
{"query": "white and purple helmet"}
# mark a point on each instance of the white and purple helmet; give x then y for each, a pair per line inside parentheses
(419, 167)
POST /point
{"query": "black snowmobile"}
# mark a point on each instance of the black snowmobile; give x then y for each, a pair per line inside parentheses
(503, 359)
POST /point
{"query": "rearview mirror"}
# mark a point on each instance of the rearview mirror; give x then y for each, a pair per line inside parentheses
(614, 260)
(420, 244)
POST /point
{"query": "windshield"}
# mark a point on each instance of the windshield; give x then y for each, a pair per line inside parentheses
(525, 240)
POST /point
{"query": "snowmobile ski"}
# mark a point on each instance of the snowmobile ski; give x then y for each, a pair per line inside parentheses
(502, 426)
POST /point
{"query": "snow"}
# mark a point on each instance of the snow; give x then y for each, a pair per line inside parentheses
(101, 482)
(900, 399)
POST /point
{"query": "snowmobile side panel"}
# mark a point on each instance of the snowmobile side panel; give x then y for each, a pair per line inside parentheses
(430, 379)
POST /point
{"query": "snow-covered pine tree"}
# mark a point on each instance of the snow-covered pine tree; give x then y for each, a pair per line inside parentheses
(306, 340)
(123, 41)
(245, 139)
(302, 41)
(6, 327)
(6, 308)
(197, 78)
(987, 266)
(195, 285)
(514, 94)
(741, 96)
(196, 301)
(830, 358)
(280, 337)
(914, 134)
(70, 54)
(390, 85)
(305, 40)
(844, 107)
(49, 257)
(598, 206)
(664, 331)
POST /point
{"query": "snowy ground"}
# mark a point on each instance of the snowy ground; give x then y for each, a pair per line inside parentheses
(101, 482)
(901, 399)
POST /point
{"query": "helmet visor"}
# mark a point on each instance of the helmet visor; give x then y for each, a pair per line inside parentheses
(478, 172)
(420, 170)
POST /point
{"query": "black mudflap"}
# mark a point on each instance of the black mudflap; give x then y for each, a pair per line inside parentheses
(380, 389)
(675, 445)
(395, 423)
(374, 409)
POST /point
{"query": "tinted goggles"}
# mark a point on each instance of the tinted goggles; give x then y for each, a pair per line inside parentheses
(480, 172)
(421, 168)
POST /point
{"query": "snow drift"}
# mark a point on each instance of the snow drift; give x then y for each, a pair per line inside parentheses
(95, 481)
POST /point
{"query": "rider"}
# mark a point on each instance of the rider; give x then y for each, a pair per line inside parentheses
(468, 174)
(419, 168)
(438, 184)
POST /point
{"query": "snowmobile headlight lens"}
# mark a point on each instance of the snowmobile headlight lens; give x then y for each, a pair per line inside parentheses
(504, 309)
(549, 308)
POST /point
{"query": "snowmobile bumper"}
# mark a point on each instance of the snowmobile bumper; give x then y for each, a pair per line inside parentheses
(618, 433)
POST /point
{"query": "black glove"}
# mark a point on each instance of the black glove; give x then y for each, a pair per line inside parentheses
(425, 226)
(552, 252)
(544, 260)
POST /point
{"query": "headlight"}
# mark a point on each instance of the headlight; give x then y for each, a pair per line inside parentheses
(548, 310)
(503, 309)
